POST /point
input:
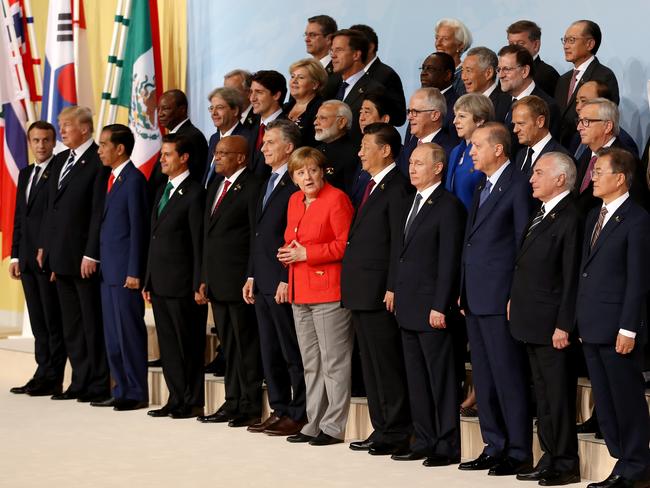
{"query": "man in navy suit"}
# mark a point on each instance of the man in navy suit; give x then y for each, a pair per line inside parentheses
(498, 217)
(426, 295)
(267, 288)
(530, 121)
(40, 291)
(611, 316)
(122, 249)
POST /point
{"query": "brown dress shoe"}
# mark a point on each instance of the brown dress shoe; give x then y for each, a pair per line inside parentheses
(285, 427)
(260, 426)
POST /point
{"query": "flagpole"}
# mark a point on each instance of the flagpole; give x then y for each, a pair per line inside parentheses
(33, 48)
(118, 65)
(106, 95)
(75, 44)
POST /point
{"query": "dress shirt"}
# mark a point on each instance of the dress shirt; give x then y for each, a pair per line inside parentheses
(529, 89)
(280, 172)
(380, 176)
(442, 92)
(367, 66)
(429, 137)
(537, 148)
(581, 71)
(177, 180)
(325, 60)
(245, 113)
(426, 193)
(490, 89)
(173, 131)
(79, 151)
(116, 172)
(271, 117)
(497, 174)
(231, 179)
(607, 144)
(228, 132)
(351, 81)
(550, 205)
(41, 168)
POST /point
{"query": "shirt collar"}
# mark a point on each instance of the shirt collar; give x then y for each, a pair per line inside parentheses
(381, 175)
(426, 193)
(281, 171)
(177, 180)
(585, 65)
(228, 132)
(367, 66)
(550, 205)
(490, 89)
(442, 92)
(614, 205)
(272, 117)
(497, 174)
(352, 80)
(235, 175)
(82, 149)
(529, 89)
(42, 166)
(429, 137)
(607, 144)
(116, 172)
(325, 60)
(175, 129)
(245, 113)
(537, 148)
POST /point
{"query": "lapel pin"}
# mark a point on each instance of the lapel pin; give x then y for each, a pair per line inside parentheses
(552, 215)
(382, 186)
(499, 188)
(617, 218)
(45, 175)
(329, 171)
(237, 187)
(282, 183)
(361, 90)
(119, 178)
(180, 191)
(83, 161)
(429, 202)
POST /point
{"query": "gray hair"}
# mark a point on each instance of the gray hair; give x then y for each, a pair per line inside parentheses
(232, 97)
(435, 99)
(246, 77)
(477, 104)
(461, 32)
(487, 58)
(289, 130)
(607, 110)
(342, 110)
(563, 165)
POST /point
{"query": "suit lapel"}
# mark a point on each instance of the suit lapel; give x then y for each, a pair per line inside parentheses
(547, 222)
(42, 181)
(373, 197)
(117, 184)
(176, 197)
(78, 166)
(427, 206)
(586, 76)
(284, 181)
(499, 189)
(611, 225)
(230, 197)
(358, 90)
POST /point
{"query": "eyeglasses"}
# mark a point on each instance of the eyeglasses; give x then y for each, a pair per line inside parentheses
(220, 154)
(507, 69)
(587, 122)
(415, 111)
(212, 108)
(571, 40)
(597, 174)
(431, 69)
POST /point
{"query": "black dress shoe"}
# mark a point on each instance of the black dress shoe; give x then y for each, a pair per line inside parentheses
(66, 395)
(535, 475)
(243, 421)
(613, 481)
(154, 363)
(299, 438)
(408, 456)
(159, 412)
(484, 461)
(589, 426)
(323, 439)
(21, 390)
(510, 466)
(45, 389)
(106, 403)
(438, 460)
(125, 405)
(186, 412)
(559, 478)
(220, 416)
(361, 445)
(383, 449)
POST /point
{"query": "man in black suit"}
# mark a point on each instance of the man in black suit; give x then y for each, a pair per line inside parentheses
(40, 292)
(581, 42)
(437, 71)
(528, 34)
(172, 280)
(268, 90)
(241, 80)
(383, 74)
(497, 220)
(367, 288)
(230, 207)
(542, 315)
(426, 294)
(349, 56)
(70, 242)
(426, 113)
(480, 76)
(530, 116)
(267, 288)
(611, 316)
(318, 42)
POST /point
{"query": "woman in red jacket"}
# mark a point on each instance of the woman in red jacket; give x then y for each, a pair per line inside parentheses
(318, 220)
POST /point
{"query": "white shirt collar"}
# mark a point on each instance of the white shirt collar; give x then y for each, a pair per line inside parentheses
(235, 175)
(537, 148)
(426, 193)
(584, 66)
(228, 132)
(245, 113)
(325, 60)
(177, 180)
(380, 176)
(173, 131)
(490, 89)
(429, 137)
(280, 172)
(272, 117)
(613, 206)
(44, 164)
(442, 92)
(367, 66)
(529, 89)
(550, 205)
(607, 144)
(497, 174)
(352, 80)
(82, 149)
(116, 172)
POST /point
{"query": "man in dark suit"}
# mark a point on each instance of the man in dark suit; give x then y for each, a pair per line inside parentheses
(268, 90)
(267, 288)
(172, 115)
(497, 220)
(528, 34)
(542, 315)
(318, 42)
(437, 71)
(480, 76)
(172, 280)
(426, 294)
(349, 56)
(611, 316)
(581, 42)
(70, 242)
(383, 74)
(530, 116)
(426, 113)
(122, 251)
(40, 292)
(241, 80)
(367, 288)
(230, 207)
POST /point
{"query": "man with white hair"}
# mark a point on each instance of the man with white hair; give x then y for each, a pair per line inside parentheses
(454, 38)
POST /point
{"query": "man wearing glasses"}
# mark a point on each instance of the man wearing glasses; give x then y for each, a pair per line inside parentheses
(318, 42)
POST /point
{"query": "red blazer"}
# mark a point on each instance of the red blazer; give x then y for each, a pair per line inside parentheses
(323, 230)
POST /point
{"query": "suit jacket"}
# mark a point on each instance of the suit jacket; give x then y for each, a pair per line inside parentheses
(74, 213)
(343, 165)
(333, 82)
(239, 130)
(125, 228)
(428, 261)
(305, 121)
(374, 240)
(175, 246)
(267, 237)
(390, 80)
(462, 179)
(450, 97)
(551, 146)
(568, 116)
(443, 138)
(502, 102)
(227, 240)
(545, 280)
(614, 276)
(492, 237)
(355, 99)
(546, 76)
(323, 230)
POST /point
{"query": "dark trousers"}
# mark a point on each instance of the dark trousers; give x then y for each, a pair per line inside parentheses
(181, 337)
(238, 333)
(281, 358)
(126, 341)
(83, 334)
(500, 380)
(555, 384)
(619, 394)
(384, 375)
(429, 359)
(45, 320)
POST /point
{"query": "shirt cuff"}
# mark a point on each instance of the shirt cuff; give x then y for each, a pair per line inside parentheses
(627, 333)
(91, 259)
(13, 260)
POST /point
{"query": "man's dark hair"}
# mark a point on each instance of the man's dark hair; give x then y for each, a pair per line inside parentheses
(522, 56)
(621, 161)
(357, 40)
(43, 125)
(121, 134)
(369, 32)
(385, 134)
(327, 24)
(273, 81)
(180, 99)
(382, 102)
(591, 29)
(525, 26)
(183, 144)
(602, 89)
(448, 62)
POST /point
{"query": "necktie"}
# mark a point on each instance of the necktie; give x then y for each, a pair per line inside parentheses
(32, 187)
(508, 119)
(587, 177)
(260, 137)
(226, 185)
(528, 161)
(210, 174)
(598, 228)
(413, 214)
(269, 189)
(340, 94)
(67, 167)
(485, 193)
(165, 197)
(111, 180)
(572, 85)
(366, 192)
(539, 216)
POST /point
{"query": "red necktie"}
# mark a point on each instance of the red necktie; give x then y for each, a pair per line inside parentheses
(366, 193)
(226, 184)
(111, 180)
(260, 137)
(572, 85)
(587, 177)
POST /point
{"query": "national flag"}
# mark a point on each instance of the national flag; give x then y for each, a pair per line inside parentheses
(20, 21)
(141, 82)
(83, 80)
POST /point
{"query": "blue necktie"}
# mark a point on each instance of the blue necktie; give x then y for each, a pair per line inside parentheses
(269, 188)
(210, 174)
(67, 167)
(340, 94)
(485, 193)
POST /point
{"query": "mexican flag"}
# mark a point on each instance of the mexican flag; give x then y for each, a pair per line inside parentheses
(141, 82)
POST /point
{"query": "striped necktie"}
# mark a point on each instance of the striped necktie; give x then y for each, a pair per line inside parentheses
(539, 216)
(598, 228)
(67, 167)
